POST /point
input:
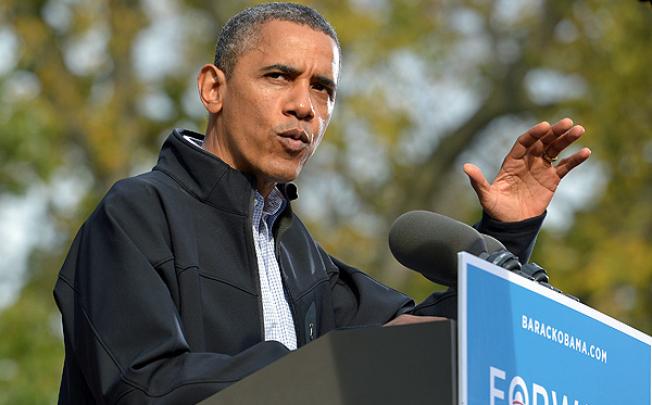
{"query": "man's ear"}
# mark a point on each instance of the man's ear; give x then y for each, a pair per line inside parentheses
(211, 83)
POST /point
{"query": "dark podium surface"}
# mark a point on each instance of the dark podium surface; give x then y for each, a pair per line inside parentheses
(410, 364)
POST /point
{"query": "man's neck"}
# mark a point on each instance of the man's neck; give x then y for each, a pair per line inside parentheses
(264, 189)
(263, 186)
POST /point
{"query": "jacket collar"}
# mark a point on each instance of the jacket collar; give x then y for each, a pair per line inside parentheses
(207, 177)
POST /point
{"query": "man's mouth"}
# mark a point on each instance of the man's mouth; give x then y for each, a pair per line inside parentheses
(295, 140)
(296, 134)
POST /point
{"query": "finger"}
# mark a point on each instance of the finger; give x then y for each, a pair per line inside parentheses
(563, 142)
(407, 319)
(569, 163)
(477, 179)
(556, 131)
(529, 138)
(562, 125)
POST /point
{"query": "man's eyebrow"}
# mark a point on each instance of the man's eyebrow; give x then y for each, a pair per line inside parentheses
(326, 82)
(289, 70)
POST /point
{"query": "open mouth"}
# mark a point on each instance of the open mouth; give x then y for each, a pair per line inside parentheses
(295, 139)
(296, 134)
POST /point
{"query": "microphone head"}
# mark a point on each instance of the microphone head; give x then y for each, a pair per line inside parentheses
(428, 243)
(493, 244)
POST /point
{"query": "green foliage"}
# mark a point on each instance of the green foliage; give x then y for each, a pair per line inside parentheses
(63, 111)
(31, 350)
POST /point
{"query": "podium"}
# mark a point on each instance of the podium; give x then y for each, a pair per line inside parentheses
(515, 342)
(408, 364)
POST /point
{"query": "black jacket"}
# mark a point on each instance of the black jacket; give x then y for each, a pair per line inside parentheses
(160, 293)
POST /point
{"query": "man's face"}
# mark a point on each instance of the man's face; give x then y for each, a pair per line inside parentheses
(278, 102)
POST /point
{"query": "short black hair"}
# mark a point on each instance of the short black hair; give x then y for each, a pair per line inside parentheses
(240, 29)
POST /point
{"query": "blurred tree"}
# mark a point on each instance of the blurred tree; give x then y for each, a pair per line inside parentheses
(607, 257)
(76, 104)
(88, 90)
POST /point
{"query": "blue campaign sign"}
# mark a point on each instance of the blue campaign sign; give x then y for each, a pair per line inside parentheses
(523, 344)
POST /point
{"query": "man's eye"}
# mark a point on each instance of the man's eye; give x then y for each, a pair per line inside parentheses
(276, 75)
(323, 88)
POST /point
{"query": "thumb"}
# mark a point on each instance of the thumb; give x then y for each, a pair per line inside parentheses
(477, 179)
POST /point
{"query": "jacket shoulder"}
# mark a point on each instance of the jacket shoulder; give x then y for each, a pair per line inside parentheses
(143, 194)
(135, 208)
(129, 223)
(144, 186)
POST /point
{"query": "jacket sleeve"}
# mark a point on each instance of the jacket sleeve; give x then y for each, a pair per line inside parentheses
(518, 237)
(124, 340)
(359, 300)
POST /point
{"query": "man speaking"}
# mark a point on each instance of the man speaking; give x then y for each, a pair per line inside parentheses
(192, 276)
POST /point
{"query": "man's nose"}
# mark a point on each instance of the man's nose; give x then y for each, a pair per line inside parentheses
(299, 103)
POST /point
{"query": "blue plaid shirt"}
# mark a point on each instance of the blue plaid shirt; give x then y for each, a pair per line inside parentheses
(279, 324)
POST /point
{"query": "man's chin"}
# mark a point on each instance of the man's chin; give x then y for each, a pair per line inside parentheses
(286, 178)
(270, 178)
(287, 173)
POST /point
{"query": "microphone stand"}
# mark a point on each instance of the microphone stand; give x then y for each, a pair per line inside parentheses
(532, 271)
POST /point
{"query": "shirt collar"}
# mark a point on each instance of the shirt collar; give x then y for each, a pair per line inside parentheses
(271, 207)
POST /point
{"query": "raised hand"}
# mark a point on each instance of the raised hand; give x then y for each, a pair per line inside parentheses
(529, 175)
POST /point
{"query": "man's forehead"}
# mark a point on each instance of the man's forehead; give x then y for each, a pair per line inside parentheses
(280, 27)
(287, 42)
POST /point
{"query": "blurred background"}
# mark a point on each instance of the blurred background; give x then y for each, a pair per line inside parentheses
(89, 89)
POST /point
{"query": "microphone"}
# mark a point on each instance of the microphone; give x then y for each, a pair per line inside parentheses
(493, 244)
(428, 242)
(498, 254)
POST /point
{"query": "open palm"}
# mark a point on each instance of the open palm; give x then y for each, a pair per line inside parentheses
(527, 179)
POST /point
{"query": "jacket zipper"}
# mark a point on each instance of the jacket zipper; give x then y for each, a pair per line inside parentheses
(301, 340)
(252, 254)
